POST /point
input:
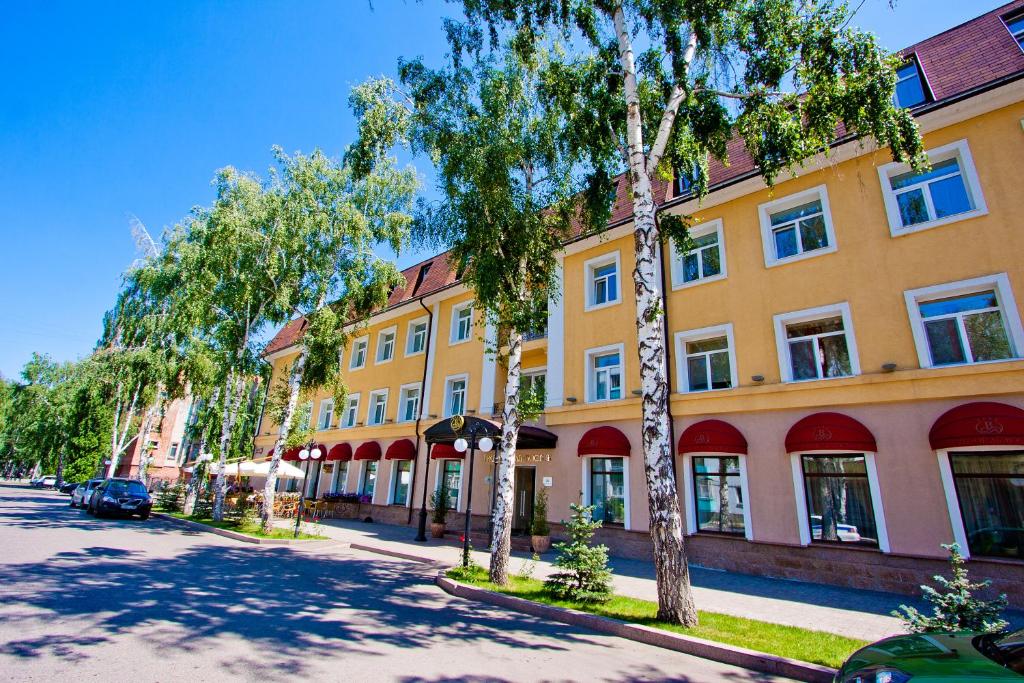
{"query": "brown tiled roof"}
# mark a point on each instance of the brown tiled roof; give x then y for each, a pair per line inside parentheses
(957, 61)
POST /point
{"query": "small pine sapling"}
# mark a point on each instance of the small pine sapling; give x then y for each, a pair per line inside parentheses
(584, 575)
(540, 526)
(954, 606)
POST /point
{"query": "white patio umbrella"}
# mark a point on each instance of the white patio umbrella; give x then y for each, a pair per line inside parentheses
(230, 469)
(285, 470)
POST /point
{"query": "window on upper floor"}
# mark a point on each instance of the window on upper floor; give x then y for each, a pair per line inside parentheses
(378, 410)
(417, 337)
(326, 417)
(816, 344)
(409, 403)
(707, 360)
(705, 262)
(455, 395)
(972, 321)
(359, 347)
(910, 90)
(948, 191)
(386, 345)
(604, 373)
(1016, 26)
(602, 281)
(797, 227)
(305, 414)
(462, 323)
(351, 414)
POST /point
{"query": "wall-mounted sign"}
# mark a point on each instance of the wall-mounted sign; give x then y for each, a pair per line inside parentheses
(523, 458)
(547, 481)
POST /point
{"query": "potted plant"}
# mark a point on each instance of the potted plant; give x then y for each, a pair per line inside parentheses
(540, 530)
(440, 501)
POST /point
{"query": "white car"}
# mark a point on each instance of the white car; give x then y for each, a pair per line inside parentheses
(847, 533)
(47, 482)
(82, 493)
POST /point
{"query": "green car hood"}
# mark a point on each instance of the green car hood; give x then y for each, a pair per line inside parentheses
(931, 657)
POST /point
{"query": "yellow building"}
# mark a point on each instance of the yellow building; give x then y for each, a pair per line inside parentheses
(846, 356)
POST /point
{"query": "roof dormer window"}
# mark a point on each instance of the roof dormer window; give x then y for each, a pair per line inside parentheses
(1016, 26)
(910, 86)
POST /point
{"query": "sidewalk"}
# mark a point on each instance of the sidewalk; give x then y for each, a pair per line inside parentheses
(846, 611)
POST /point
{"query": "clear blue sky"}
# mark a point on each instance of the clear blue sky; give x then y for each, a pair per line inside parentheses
(110, 109)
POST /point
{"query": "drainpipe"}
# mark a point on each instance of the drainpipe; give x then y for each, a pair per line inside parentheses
(419, 414)
(668, 357)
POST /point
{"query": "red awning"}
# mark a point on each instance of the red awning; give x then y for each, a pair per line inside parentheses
(403, 449)
(984, 423)
(291, 455)
(712, 436)
(445, 451)
(339, 453)
(829, 432)
(603, 441)
(368, 450)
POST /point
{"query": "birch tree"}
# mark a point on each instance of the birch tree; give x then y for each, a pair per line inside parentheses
(337, 213)
(657, 86)
(507, 202)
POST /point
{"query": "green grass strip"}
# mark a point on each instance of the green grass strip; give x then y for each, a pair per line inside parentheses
(817, 647)
(247, 529)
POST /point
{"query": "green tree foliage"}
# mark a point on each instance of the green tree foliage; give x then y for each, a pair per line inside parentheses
(583, 568)
(657, 87)
(954, 605)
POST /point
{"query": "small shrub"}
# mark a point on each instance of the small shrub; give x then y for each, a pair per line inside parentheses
(954, 607)
(204, 505)
(440, 500)
(471, 574)
(540, 526)
(584, 574)
(171, 498)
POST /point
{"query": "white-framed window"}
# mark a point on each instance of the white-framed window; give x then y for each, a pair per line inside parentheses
(377, 412)
(369, 479)
(416, 341)
(606, 487)
(706, 359)
(705, 262)
(838, 500)
(601, 281)
(455, 390)
(816, 343)
(339, 478)
(604, 376)
(172, 455)
(325, 417)
(797, 227)
(462, 323)
(401, 481)
(451, 471)
(351, 414)
(359, 347)
(386, 344)
(910, 89)
(717, 488)
(947, 192)
(1015, 24)
(971, 321)
(408, 402)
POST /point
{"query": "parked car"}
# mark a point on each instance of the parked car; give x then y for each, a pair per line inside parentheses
(847, 533)
(938, 658)
(120, 496)
(69, 487)
(82, 493)
(47, 482)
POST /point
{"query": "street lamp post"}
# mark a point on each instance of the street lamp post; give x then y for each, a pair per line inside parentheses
(309, 452)
(461, 445)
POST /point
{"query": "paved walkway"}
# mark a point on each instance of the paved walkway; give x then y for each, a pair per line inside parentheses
(846, 611)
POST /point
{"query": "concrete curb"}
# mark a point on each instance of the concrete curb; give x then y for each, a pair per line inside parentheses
(706, 649)
(394, 553)
(245, 538)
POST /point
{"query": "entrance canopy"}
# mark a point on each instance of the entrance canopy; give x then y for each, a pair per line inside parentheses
(830, 432)
(983, 423)
(712, 436)
(529, 437)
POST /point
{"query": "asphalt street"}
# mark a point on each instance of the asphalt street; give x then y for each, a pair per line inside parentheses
(101, 599)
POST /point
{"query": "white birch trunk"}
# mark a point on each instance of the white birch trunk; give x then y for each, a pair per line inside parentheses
(675, 598)
(144, 457)
(294, 384)
(504, 493)
(119, 431)
(227, 415)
